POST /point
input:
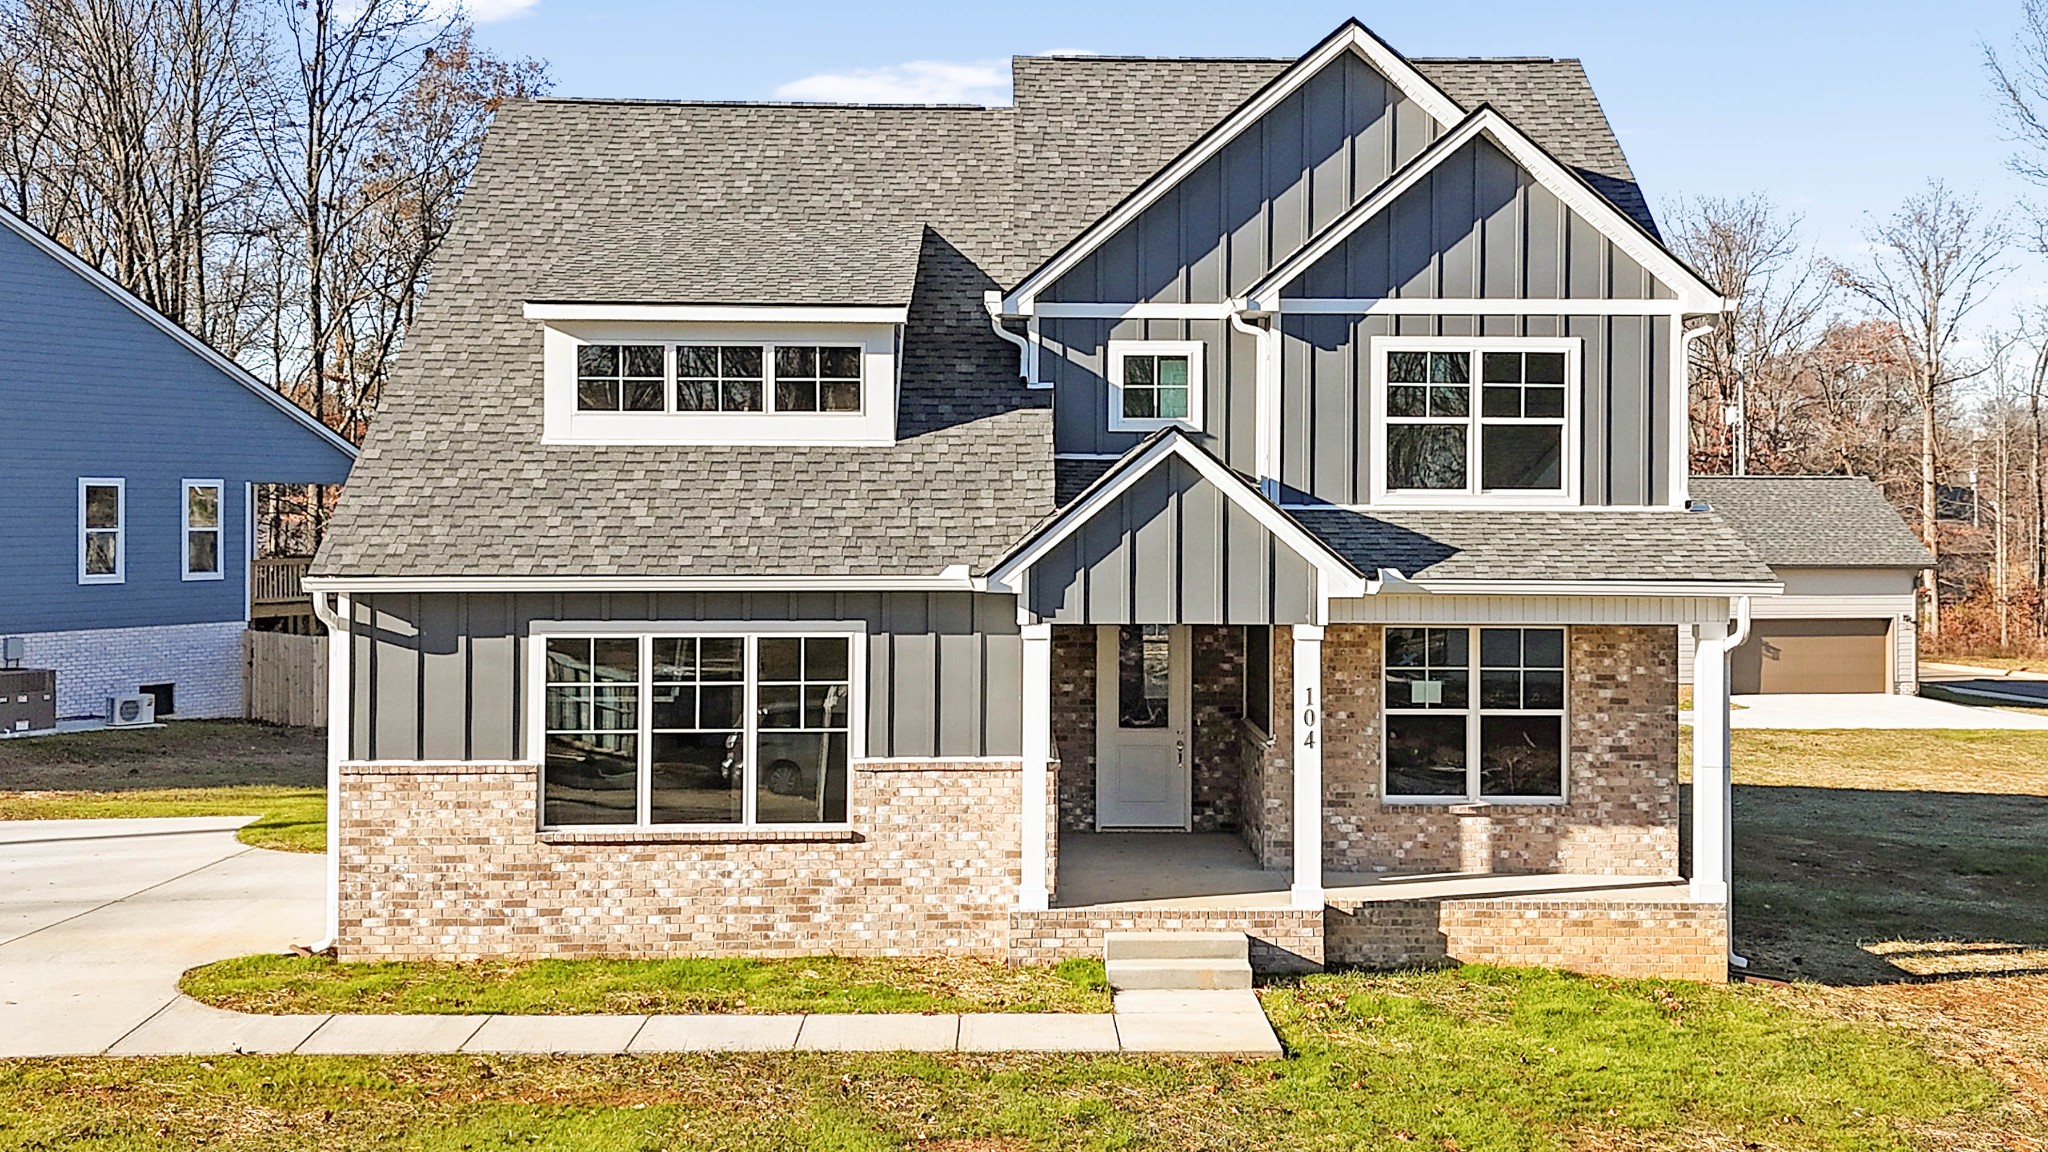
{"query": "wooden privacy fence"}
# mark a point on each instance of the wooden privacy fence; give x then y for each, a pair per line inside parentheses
(284, 678)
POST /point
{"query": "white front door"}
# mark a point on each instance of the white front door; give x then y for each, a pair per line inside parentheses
(1142, 710)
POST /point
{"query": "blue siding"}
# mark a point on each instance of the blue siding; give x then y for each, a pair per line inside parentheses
(89, 388)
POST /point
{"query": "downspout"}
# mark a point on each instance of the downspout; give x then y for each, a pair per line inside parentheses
(324, 610)
(1266, 386)
(1027, 358)
(1736, 637)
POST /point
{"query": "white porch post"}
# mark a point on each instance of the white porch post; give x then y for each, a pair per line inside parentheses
(1033, 893)
(1308, 766)
(1710, 754)
(340, 723)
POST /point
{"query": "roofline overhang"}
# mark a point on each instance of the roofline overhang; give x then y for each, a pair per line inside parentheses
(954, 579)
(573, 310)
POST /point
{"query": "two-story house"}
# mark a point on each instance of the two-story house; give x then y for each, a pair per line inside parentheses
(1230, 494)
(131, 454)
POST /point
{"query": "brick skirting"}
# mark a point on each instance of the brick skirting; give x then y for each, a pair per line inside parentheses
(444, 861)
(1282, 939)
(1660, 939)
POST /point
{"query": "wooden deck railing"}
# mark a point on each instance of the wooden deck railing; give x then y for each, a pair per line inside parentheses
(279, 580)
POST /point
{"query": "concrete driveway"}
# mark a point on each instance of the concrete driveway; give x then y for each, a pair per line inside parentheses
(99, 917)
(1869, 710)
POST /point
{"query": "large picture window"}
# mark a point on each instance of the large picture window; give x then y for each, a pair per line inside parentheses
(697, 728)
(1475, 714)
(1476, 419)
(694, 378)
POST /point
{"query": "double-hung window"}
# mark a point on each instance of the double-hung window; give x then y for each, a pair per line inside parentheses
(1476, 420)
(702, 727)
(202, 529)
(719, 377)
(1475, 714)
(102, 513)
(1155, 384)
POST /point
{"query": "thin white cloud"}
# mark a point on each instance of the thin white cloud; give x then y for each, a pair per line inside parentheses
(915, 82)
(485, 11)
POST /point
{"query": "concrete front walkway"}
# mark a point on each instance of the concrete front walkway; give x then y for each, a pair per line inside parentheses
(1868, 710)
(99, 918)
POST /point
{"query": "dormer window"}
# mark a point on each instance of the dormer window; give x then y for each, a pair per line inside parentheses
(1476, 420)
(716, 381)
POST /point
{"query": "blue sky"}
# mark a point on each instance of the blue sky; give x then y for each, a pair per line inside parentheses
(1836, 111)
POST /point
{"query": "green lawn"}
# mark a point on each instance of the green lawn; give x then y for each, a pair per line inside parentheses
(807, 984)
(1474, 1059)
(186, 768)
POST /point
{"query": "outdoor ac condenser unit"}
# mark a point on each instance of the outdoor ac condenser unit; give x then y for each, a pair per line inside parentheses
(133, 711)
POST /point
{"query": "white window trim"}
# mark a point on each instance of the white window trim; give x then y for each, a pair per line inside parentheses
(1472, 713)
(219, 529)
(120, 573)
(1120, 350)
(874, 424)
(645, 631)
(1473, 496)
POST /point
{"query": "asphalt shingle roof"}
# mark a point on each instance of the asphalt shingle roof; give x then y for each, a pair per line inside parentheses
(1814, 521)
(1538, 544)
(606, 201)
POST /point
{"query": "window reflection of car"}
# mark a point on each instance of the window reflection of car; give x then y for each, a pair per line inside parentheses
(780, 724)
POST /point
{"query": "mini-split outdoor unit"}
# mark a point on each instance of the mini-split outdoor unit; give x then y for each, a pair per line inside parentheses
(132, 711)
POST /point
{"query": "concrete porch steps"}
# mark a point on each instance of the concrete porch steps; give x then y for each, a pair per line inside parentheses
(1177, 961)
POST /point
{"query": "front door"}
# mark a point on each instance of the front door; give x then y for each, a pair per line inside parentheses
(1142, 710)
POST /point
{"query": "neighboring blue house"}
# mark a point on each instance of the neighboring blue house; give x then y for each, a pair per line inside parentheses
(129, 451)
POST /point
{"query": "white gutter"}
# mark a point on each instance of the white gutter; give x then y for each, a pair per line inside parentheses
(1740, 634)
(1027, 358)
(1266, 410)
(955, 578)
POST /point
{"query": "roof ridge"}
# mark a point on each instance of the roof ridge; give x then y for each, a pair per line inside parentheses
(657, 102)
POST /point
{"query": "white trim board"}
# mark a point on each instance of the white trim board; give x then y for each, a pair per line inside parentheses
(1421, 306)
(719, 313)
(1338, 577)
(954, 579)
(171, 328)
(1351, 36)
(1695, 295)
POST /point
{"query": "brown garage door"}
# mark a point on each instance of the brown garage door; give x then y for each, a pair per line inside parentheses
(1814, 656)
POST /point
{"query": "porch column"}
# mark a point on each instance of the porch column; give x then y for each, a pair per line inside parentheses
(1710, 755)
(1308, 766)
(1033, 894)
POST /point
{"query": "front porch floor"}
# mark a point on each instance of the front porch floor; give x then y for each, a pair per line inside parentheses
(1216, 870)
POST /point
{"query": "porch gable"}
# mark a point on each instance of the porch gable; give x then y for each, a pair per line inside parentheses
(1171, 536)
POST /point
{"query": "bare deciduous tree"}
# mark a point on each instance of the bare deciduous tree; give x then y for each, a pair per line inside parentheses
(1931, 265)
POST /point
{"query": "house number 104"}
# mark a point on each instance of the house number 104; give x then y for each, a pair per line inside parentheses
(1309, 716)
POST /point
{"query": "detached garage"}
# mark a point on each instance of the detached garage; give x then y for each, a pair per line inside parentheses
(1849, 564)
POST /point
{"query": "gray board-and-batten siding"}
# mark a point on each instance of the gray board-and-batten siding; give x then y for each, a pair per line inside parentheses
(1172, 549)
(441, 676)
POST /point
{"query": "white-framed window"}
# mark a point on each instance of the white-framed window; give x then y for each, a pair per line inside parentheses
(718, 377)
(1155, 384)
(699, 382)
(1475, 420)
(102, 521)
(697, 726)
(1475, 715)
(202, 512)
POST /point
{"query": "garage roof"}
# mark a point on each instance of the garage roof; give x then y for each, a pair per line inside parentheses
(1814, 521)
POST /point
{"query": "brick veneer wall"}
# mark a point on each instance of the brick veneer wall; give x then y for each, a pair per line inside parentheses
(1638, 938)
(1217, 661)
(444, 862)
(202, 661)
(1622, 814)
(1268, 823)
(1282, 939)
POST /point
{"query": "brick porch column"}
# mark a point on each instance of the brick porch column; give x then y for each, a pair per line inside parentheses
(1308, 766)
(1710, 754)
(1033, 893)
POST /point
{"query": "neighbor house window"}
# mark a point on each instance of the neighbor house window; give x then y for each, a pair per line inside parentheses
(202, 529)
(1476, 418)
(620, 377)
(1475, 714)
(693, 378)
(102, 512)
(1155, 384)
(697, 728)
